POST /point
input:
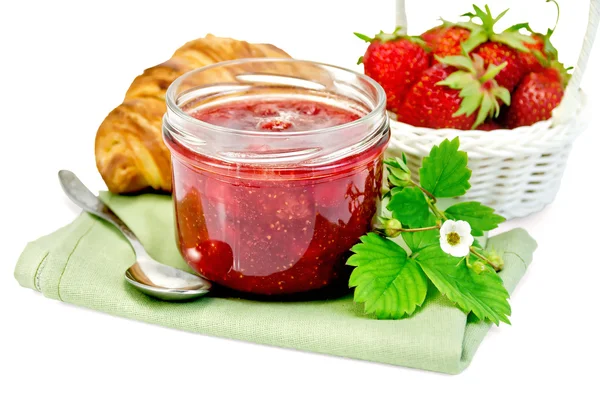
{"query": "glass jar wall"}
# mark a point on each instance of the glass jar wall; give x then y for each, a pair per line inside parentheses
(277, 168)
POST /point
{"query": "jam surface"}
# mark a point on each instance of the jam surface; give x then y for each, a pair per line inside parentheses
(276, 115)
(266, 231)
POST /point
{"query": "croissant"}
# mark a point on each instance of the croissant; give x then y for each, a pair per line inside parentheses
(130, 153)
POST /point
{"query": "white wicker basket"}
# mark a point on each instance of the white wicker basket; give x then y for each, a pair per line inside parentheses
(518, 171)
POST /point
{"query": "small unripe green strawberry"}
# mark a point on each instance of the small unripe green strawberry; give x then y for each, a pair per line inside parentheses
(391, 227)
(478, 266)
(496, 259)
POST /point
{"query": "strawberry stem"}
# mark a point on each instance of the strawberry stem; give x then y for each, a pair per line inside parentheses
(550, 31)
(495, 266)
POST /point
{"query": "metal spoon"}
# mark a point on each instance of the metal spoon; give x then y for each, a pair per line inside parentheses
(146, 274)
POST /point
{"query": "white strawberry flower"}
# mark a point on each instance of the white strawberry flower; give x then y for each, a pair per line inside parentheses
(456, 238)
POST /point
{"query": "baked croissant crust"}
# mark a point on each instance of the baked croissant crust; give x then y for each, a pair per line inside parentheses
(130, 153)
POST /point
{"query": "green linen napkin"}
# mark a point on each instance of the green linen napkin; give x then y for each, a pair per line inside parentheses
(83, 263)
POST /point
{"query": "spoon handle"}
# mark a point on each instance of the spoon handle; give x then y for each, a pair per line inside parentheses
(87, 201)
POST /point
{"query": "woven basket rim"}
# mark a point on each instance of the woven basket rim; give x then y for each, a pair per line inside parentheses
(539, 137)
(582, 113)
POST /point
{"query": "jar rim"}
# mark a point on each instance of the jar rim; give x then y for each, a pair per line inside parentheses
(172, 106)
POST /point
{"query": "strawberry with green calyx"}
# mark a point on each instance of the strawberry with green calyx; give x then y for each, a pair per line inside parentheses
(395, 61)
(537, 95)
(435, 36)
(432, 36)
(478, 87)
(459, 93)
(542, 51)
(557, 71)
(447, 40)
(497, 53)
(497, 48)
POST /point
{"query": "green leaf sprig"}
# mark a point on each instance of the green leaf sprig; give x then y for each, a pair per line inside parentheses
(392, 281)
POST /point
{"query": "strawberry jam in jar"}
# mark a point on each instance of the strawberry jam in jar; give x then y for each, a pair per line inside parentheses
(277, 169)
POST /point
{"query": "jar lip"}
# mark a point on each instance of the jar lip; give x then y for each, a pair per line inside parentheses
(172, 106)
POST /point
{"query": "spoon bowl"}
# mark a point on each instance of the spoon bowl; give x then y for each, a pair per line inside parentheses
(147, 275)
(165, 282)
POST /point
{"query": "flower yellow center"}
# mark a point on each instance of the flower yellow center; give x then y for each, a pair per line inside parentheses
(453, 238)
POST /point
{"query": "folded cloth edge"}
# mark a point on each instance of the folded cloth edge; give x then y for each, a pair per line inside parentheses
(29, 272)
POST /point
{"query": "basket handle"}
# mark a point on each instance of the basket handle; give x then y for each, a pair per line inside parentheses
(568, 106)
(401, 19)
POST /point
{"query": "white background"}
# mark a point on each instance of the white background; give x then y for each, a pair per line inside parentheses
(65, 65)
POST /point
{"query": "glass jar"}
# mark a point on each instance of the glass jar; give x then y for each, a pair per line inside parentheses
(277, 169)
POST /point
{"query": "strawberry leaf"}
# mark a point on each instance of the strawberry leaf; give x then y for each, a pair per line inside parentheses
(444, 172)
(389, 283)
(518, 26)
(397, 164)
(409, 206)
(483, 294)
(419, 240)
(480, 217)
(363, 37)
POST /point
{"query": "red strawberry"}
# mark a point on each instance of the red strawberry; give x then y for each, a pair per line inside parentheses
(542, 52)
(396, 62)
(529, 60)
(535, 97)
(489, 125)
(430, 105)
(498, 53)
(557, 71)
(495, 48)
(447, 37)
(449, 40)
(456, 93)
(432, 36)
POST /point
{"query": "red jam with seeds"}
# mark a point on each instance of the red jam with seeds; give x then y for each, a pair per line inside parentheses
(276, 115)
(266, 226)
